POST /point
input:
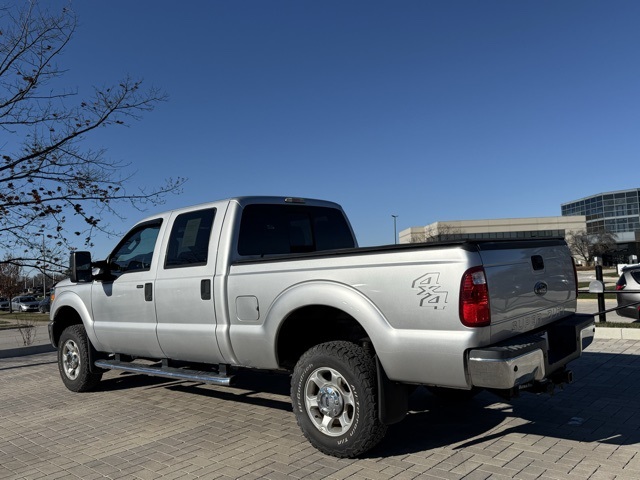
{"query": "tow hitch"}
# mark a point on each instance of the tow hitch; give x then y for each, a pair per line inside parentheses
(548, 385)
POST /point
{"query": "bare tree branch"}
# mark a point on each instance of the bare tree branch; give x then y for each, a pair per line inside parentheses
(47, 175)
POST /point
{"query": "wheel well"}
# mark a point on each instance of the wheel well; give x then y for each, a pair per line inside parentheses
(65, 317)
(312, 325)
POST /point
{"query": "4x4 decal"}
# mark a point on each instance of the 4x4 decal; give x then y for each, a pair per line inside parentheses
(430, 291)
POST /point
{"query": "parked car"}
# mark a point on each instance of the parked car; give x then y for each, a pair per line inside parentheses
(4, 304)
(26, 303)
(45, 305)
(628, 287)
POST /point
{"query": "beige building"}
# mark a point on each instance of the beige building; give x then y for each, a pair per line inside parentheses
(502, 228)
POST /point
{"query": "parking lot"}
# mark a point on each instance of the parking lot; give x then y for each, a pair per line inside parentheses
(143, 427)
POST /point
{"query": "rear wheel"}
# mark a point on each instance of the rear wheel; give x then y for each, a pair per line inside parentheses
(73, 360)
(334, 396)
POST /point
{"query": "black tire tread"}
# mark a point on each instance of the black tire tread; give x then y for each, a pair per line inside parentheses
(362, 366)
(86, 380)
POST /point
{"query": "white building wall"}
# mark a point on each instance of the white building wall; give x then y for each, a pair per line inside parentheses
(566, 223)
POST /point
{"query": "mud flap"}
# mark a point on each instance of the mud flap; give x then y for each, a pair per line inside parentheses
(393, 398)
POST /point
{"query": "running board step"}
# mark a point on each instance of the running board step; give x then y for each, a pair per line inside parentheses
(167, 372)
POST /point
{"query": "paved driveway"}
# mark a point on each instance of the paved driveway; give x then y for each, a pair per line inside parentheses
(141, 427)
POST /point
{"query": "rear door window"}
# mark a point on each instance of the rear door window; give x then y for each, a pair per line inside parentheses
(189, 239)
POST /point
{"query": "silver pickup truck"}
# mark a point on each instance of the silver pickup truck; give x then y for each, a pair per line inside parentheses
(200, 293)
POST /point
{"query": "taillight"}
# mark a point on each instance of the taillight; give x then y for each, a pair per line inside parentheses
(474, 299)
(621, 283)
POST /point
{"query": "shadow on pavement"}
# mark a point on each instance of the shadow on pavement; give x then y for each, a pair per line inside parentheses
(127, 381)
(600, 406)
(25, 351)
(249, 387)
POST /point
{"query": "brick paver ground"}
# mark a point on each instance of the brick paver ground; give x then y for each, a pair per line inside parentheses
(144, 428)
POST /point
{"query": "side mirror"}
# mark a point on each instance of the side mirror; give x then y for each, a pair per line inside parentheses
(104, 274)
(80, 267)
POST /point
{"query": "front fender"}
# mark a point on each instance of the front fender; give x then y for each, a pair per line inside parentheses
(65, 302)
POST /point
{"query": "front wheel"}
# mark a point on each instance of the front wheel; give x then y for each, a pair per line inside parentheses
(334, 396)
(73, 360)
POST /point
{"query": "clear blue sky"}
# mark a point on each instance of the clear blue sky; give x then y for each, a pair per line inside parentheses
(430, 110)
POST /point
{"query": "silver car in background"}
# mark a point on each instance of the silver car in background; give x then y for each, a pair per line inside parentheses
(26, 303)
(628, 288)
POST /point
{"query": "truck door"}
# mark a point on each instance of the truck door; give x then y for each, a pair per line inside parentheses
(123, 308)
(184, 288)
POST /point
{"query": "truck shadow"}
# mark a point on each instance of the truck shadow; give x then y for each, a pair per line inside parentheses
(601, 406)
(265, 389)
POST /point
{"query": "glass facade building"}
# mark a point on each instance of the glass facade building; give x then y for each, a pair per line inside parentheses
(616, 212)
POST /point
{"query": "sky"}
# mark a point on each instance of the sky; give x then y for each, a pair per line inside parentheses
(428, 110)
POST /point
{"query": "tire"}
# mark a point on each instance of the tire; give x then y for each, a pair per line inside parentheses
(334, 397)
(73, 360)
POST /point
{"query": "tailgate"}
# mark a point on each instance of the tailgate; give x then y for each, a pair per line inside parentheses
(531, 284)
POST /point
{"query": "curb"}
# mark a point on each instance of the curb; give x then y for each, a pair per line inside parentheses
(24, 351)
(604, 333)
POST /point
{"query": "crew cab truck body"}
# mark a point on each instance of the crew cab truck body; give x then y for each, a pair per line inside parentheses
(279, 284)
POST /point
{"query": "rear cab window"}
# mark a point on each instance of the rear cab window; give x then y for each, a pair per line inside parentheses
(289, 229)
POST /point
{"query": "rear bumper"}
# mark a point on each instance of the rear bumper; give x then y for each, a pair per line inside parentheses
(531, 357)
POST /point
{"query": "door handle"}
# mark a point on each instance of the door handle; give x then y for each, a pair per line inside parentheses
(148, 292)
(205, 289)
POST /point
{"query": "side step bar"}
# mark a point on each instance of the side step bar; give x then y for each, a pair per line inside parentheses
(168, 372)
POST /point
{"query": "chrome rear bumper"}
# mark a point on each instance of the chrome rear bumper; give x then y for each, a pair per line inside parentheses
(532, 357)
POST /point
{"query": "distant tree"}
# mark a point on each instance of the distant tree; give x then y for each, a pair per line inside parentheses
(580, 245)
(434, 234)
(46, 175)
(587, 246)
(10, 279)
(604, 241)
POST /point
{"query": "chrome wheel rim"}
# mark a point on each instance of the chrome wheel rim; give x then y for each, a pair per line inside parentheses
(329, 401)
(71, 359)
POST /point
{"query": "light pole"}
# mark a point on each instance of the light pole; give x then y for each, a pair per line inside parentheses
(44, 268)
(395, 230)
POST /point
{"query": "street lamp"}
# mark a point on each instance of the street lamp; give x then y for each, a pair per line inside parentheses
(395, 230)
